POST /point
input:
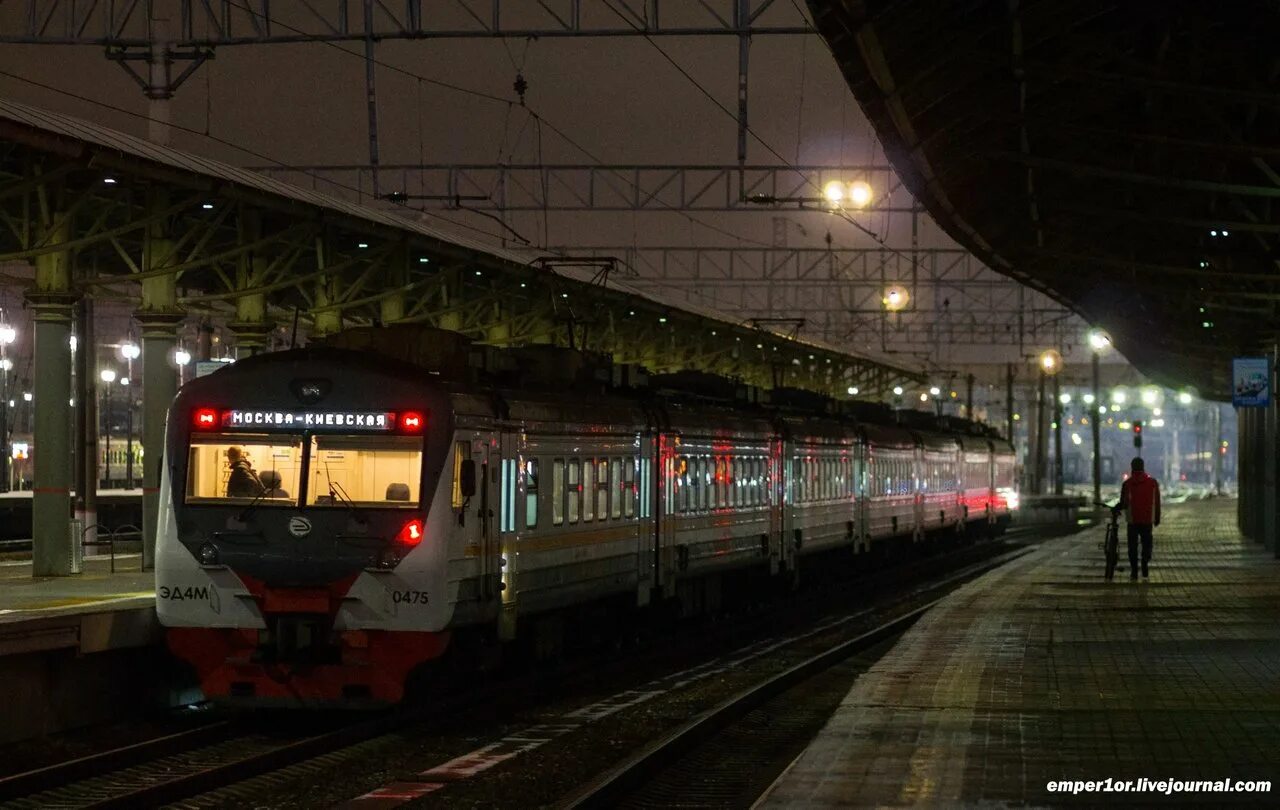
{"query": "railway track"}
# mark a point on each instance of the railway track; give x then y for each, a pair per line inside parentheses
(729, 754)
(231, 758)
(171, 768)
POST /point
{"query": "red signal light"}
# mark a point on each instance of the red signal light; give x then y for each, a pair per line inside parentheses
(411, 534)
(206, 418)
(411, 422)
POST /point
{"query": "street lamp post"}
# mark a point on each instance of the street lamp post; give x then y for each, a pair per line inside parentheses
(1098, 341)
(130, 351)
(1050, 363)
(108, 376)
(7, 336)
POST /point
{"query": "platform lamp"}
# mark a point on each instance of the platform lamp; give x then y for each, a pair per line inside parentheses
(1050, 363)
(130, 351)
(7, 336)
(1099, 342)
(108, 376)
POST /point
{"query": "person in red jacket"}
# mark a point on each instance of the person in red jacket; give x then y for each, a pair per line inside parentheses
(1140, 498)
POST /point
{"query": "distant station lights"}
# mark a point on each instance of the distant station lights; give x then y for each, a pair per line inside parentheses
(852, 195)
(1050, 362)
(935, 391)
(1150, 396)
(108, 375)
(1184, 398)
(182, 357)
(853, 390)
(130, 351)
(1099, 340)
(897, 390)
(1065, 399)
(1118, 396)
(1089, 399)
(896, 298)
(7, 334)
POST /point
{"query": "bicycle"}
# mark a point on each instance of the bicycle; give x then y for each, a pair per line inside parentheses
(1111, 546)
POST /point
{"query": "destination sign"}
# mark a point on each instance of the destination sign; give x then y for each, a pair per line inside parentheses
(371, 421)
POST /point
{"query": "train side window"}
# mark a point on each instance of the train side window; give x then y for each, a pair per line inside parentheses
(629, 488)
(557, 492)
(646, 488)
(758, 486)
(575, 490)
(602, 488)
(531, 493)
(720, 495)
(615, 478)
(708, 472)
(588, 490)
(462, 452)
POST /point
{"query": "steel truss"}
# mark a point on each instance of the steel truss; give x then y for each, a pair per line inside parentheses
(202, 24)
(839, 293)
(587, 187)
(184, 248)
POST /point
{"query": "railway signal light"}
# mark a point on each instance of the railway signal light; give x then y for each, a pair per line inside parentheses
(1137, 433)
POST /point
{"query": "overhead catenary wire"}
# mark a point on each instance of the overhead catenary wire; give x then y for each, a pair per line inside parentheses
(842, 214)
(491, 97)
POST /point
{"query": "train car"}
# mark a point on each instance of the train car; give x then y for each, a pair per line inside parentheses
(113, 461)
(395, 510)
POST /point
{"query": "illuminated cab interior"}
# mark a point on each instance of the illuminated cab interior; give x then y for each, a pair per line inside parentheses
(315, 459)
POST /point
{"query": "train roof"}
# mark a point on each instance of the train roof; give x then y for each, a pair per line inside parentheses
(553, 379)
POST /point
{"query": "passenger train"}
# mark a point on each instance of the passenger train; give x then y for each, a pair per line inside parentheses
(113, 460)
(406, 503)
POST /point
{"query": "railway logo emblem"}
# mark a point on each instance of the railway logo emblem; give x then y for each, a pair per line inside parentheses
(310, 391)
(299, 526)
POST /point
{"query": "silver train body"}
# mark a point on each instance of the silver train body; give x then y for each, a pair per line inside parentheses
(525, 504)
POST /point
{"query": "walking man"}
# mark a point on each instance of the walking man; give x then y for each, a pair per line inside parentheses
(1140, 498)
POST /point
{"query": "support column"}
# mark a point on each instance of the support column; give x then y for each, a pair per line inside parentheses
(326, 318)
(1217, 449)
(52, 299)
(86, 361)
(159, 317)
(1057, 435)
(1095, 424)
(1008, 402)
(1042, 440)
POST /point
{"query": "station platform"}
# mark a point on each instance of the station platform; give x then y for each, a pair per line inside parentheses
(1042, 671)
(80, 649)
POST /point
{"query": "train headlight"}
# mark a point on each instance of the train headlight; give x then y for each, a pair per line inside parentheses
(208, 554)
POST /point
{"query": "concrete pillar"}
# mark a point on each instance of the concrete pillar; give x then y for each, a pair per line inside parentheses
(52, 301)
(159, 317)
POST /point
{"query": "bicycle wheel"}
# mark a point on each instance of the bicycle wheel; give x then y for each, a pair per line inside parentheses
(1112, 551)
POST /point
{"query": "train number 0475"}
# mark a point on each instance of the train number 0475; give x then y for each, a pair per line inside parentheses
(409, 597)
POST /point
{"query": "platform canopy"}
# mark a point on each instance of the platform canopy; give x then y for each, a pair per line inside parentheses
(193, 236)
(1121, 157)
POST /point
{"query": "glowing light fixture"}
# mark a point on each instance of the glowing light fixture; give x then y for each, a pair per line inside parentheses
(859, 194)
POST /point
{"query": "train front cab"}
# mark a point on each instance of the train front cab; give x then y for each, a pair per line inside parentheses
(330, 583)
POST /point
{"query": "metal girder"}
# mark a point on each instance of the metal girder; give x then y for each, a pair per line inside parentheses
(594, 187)
(209, 23)
(837, 295)
(253, 262)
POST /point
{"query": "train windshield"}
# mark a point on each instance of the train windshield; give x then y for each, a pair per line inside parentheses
(239, 468)
(374, 471)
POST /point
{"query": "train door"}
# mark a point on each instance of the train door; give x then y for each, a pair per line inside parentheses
(510, 478)
(635, 492)
(918, 482)
(488, 463)
(661, 479)
(778, 505)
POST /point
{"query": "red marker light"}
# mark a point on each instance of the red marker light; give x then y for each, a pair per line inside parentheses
(411, 534)
(206, 418)
(411, 422)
